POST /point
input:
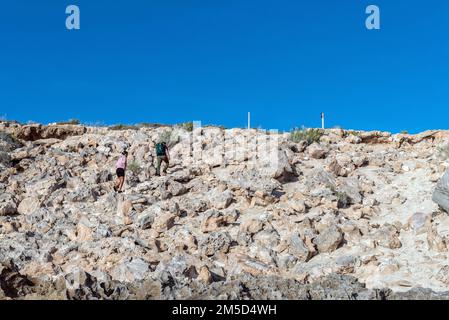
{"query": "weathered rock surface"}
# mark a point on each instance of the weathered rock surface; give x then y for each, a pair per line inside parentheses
(348, 217)
(441, 193)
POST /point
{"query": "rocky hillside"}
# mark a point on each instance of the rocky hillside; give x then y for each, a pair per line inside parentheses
(240, 214)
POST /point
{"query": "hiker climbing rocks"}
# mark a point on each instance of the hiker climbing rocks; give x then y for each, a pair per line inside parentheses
(120, 170)
(162, 155)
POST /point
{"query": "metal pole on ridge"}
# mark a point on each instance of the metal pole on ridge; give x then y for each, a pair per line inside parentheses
(322, 120)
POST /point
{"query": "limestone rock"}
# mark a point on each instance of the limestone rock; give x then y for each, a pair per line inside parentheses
(328, 240)
(316, 151)
(420, 222)
(36, 132)
(176, 188)
(298, 248)
(129, 271)
(221, 200)
(205, 275)
(212, 220)
(215, 242)
(8, 204)
(164, 221)
(441, 192)
(238, 209)
(29, 205)
(387, 236)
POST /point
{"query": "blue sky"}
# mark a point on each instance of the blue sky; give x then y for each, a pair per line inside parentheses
(173, 61)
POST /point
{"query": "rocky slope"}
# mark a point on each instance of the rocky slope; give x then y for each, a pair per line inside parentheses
(241, 214)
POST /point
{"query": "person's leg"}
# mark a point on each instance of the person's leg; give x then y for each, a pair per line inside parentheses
(158, 166)
(117, 183)
(122, 181)
(166, 164)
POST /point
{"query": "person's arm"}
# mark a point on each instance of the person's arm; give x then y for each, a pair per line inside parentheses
(167, 154)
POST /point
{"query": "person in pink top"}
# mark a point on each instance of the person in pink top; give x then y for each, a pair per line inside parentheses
(120, 170)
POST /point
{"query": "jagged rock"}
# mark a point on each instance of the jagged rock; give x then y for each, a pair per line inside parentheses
(44, 187)
(215, 242)
(435, 241)
(132, 270)
(176, 188)
(441, 192)
(193, 206)
(343, 165)
(29, 205)
(8, 143)
(298, 248)
(83, 194)
(13, 284)
(316, 151)
(420, 222)
(212, 220)
(232, 217)
(328, 240)
(5, 160)
(36, 132)
(205, 275)
(350, 187)
(387, 236)
(147, 217)
(164, 221)
(250, 179)
(220, 200)
(84, 230)
(252, 226)
(354, 139)
(8, 204)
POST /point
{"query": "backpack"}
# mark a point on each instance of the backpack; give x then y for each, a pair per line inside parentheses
(160, 149)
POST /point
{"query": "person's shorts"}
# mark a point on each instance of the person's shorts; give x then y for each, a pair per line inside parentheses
(120, 172)
(163, 158)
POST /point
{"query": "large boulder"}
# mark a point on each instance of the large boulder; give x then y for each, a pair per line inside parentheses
(317, 151)
(250, 179)
(28, 205)
(441, 192)
(129, 270)
(298, 248)
(328, 240)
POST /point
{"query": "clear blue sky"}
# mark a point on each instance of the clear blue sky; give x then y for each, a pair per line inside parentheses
(173, 61)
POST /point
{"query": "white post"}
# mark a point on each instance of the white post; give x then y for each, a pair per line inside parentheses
(249, 120)
(322, 120)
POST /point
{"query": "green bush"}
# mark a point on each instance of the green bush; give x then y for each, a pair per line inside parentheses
(343, 199)
(72, 149)
(308, 135)
(135, 168)
(404, 132)
(187, 126)
(351, 133)
(123, 127)
(152, 125)
(71, 121)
